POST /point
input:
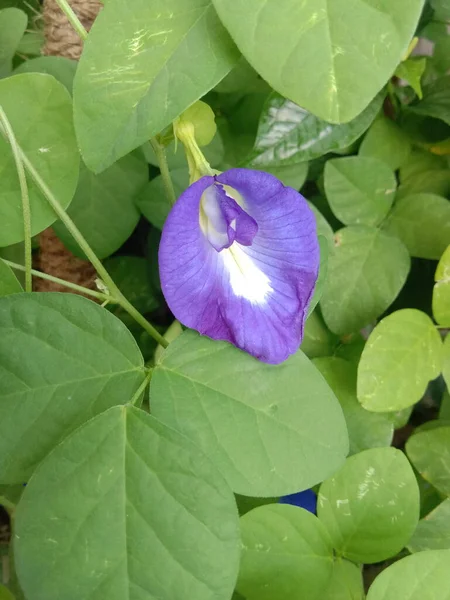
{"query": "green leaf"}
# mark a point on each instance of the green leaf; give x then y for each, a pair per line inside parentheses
(132, 275)
(441, 291)
(13, 23)
(285, 552)
(365, 274)
(103, 207)
(323, 271)
(422, 222)
(431, 182)
(152, 201)
(429, 452)
(323, 227)
(442, 8)
(63, 69)
(411, 70)
(32, 43)
(402, 354)
(292, 175)
(360, 190)
(416, 577)
(446, 362)
(114, 511)
(288, 134)
(370, 507)
(436, 101)
(350, 348)
(346, 582)
(264, 443)
(305, 52)
(420, 161)
(387, 142)
(433, 532)
(365, 429)
(40, 112)
(71, 360)
(168, 57)
(5, 594)
(317, 339)
(9, 284)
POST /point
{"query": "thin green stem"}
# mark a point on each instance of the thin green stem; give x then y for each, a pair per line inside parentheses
(72, 18)
(26, 210)
(9, 506)
(160, 152)
(141, 388)
(113, 290)
(68, 284)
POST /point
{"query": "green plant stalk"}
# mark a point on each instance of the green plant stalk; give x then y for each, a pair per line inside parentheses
(141, 388)
(72, 18)
(7, 505)
(114, 291)
(164, 168)
(68, 284)
(26, 210)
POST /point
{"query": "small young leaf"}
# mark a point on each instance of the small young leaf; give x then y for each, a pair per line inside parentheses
(433, 532)
(63, 69)
(103, 207)
(360, 190)
(429, 452)
(264, 443)
(289, 134)
(39, 109)
(9, 284)
(387, 142)
(411, 70)
(365, 429)
(365, 273)
(168, 57)
(402, 354)
(370, 507)
(422, 575)
(422, 222)
(115, 509)
(346, 582)
(436, 101)
(304, 50)
(286, 554)
(71, 360)
(441, 291)
(13, 23)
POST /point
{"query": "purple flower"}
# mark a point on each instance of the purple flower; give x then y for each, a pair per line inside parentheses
(306, 500)
(238, 261)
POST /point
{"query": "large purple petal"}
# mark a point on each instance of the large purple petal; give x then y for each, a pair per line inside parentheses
(253, 296)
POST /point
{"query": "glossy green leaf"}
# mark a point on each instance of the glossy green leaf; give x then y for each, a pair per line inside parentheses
(441, 290)
(103, 207)
(13, 23)
(411, 70)
(387, 142)
(360, 190)
(152, 200)
(436, 100)
(323, 272)
(422, 222)
(305, 52)
(113, 513)
(71, 360)
(39, 109)
(346, 582)
(286, 554)
(317, 339)
(365, 429)
(132, 275)
(370, 507)
(288, 134)
(9, 284)
(429, 452)
(433, 532)
(264, 443)
(63, 69)
(169, 55)
(403, 353)
(365, 273)
(418, 577)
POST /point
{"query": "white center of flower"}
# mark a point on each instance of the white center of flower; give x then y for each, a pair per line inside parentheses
(246, 280)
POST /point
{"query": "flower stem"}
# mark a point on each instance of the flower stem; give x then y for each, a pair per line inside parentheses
(114, 291)
(160, 152)
(26, 211)
(68, 284)
(72, 18)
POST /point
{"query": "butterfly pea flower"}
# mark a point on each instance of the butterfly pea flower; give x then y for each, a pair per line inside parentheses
(239, 259)
(306, 500)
